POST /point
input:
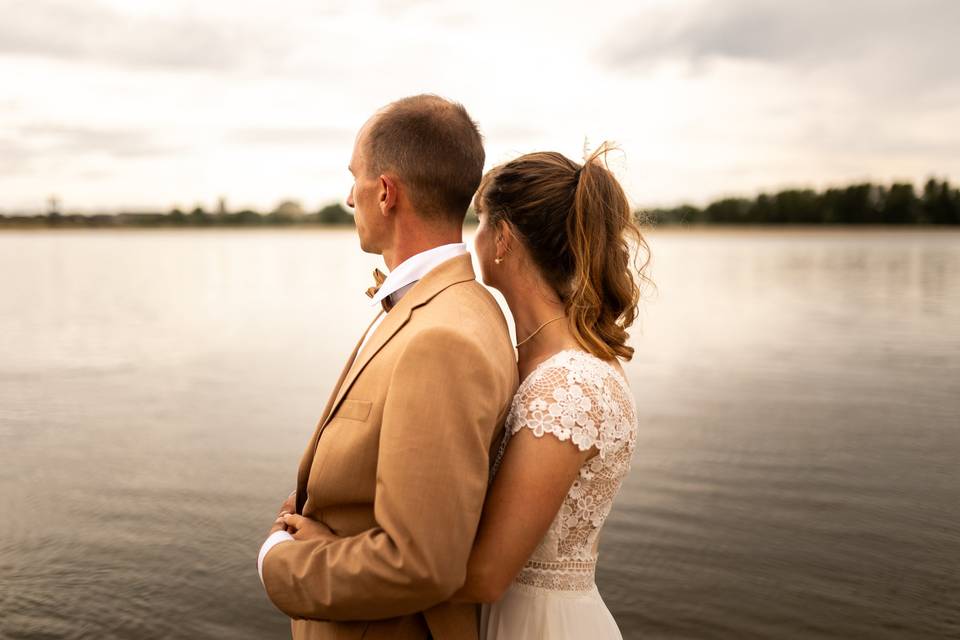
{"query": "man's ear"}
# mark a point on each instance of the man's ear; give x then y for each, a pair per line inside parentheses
(388, 194)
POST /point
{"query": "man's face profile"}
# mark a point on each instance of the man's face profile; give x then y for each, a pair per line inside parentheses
(363, 198)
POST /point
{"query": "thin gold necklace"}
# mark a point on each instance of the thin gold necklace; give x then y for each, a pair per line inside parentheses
(530, 337)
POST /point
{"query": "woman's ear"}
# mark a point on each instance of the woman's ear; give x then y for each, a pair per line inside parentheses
(504, 237)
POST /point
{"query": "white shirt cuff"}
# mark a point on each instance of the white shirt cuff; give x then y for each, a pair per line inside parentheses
(272, 540)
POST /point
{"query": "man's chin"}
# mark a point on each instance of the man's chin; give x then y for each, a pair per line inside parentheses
(368, 247)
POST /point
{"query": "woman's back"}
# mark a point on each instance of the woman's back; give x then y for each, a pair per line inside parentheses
(575, 397)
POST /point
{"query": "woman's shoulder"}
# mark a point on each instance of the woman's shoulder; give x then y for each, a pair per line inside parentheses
(575, 367)
(577, 396)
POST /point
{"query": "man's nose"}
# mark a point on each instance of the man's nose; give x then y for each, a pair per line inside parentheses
(350, 198)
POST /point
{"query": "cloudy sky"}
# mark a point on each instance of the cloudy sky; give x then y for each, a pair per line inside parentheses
(150, 104)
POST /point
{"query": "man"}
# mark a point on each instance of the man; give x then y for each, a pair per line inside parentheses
(392, 483)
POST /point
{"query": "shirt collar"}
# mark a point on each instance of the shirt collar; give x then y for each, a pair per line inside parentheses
(414, 268)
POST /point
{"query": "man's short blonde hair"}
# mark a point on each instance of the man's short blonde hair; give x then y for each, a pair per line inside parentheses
(434, 147)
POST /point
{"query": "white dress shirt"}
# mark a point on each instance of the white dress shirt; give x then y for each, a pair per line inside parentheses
(407, 273)
(398, 282)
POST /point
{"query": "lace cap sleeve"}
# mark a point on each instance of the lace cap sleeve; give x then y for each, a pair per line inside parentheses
(577, 398)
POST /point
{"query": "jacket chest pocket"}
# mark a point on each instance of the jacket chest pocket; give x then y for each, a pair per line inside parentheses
(342, 429)
(345, 464)
(353, 410)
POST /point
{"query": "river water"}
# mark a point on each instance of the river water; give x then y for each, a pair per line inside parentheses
(797, 473)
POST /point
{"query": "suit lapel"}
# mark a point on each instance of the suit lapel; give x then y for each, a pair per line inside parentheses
(453, 271)
(387, 329)
(306, 461)
(448, 273)
(346, 370)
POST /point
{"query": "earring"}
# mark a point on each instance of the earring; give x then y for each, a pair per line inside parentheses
(498, 260)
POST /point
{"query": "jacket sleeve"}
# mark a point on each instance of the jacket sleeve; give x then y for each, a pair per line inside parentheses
(441, 411)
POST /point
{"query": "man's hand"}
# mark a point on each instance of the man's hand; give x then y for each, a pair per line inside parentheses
(288, 506)
(302, 528)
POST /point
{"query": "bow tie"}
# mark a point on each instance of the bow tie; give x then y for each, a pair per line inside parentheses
(379, 278)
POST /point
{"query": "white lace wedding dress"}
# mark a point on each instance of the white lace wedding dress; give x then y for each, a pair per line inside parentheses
(573, 396)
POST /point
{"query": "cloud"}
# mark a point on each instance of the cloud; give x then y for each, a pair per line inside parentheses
(400, 6)
(14, 157)
(87, 32)
(913, 41)
(255, 101)
(292, 136)
(74, 141)
(515, 131)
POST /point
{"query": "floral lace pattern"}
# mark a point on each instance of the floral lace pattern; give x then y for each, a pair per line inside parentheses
(577, 397)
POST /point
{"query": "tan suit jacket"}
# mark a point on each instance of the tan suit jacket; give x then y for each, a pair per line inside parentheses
(398, 469)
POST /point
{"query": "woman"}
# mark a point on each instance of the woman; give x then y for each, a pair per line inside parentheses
(555, 239)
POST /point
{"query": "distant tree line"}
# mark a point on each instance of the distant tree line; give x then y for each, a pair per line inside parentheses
(287, 214)
(865, 203)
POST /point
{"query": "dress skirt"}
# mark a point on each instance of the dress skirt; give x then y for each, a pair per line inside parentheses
(534, 613)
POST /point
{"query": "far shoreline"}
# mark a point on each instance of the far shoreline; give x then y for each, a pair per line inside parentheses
(672, 229)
